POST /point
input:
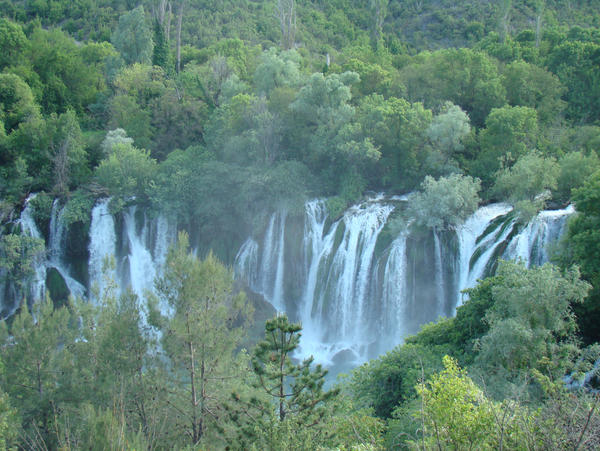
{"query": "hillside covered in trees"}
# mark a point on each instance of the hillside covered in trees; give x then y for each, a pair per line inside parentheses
(216, 114)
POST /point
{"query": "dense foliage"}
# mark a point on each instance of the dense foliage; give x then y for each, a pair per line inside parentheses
(218, 112)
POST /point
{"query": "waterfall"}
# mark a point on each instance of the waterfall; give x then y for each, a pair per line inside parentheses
(246, 262)
(102, 248)
(142, 269)
(394, 293)
(439, 274)
(37, 287)
(357, 302)
(56, 249)
(531, 245)
(469, 236)
(358, 284)
(272, 268)
(316, 246)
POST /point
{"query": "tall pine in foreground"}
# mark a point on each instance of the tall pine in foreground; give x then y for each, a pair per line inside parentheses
(289, 408)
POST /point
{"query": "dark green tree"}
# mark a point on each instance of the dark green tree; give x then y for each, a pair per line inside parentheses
(160, 52)
(200, 338)
(583, 240)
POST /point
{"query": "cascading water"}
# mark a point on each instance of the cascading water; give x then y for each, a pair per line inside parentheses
(471, 244)
(357, 302)
(102, 248)
(56, 250)
(394, 289)
(37, 287)
(357, 290)
(144, 251)
(530, 245)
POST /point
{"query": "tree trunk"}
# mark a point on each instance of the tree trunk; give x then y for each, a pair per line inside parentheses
(179, 22)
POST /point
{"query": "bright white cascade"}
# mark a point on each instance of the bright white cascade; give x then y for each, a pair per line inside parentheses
(360, 299)
(56, 249)
(102, 248)
(37, 287)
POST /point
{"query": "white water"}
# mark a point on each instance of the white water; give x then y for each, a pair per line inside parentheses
(143, 266)
(355, 298)
(530, 245)
(358, 303)
(37, 287)
(468, 233)
(56, 250)
(102, 249)
(394, 293)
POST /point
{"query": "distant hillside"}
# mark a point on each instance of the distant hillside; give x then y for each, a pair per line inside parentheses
(322, 25)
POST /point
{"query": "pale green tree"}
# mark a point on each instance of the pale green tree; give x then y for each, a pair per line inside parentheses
(455, 413)
(277, 69)
(127, 171)
(531, 321)
(527, 184)
(200, 338)
(133, 38)
(446, 202)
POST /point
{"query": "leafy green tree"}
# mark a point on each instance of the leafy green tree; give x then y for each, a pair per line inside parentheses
(324, 133)
(276, 70)
(447, 132)
(531, 322)
(531, 86)
(17, 102)
(456, 414)
(200, 338)
(576, 65)
(575, 168)
(446, 202)
(465, 77)
(125, 113)
(397, 128)
(65, 79)
(116, 370)
(13, 42)
(36, 352)
(375, 79)
(528, 183)
(583, 249)
(132, 37)
(160, 53)
(18, 253)
(510, 132)
(390, 380)
(127, 171)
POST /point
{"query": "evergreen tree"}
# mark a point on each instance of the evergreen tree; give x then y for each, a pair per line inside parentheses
(160, 52)
(295, 401)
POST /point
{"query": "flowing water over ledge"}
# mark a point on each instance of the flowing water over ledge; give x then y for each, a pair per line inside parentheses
(362, 292)
(358, 284)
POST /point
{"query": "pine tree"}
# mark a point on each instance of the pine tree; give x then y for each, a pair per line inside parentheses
(295, 407)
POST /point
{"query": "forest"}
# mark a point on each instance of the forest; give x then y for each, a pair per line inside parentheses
(219, 114)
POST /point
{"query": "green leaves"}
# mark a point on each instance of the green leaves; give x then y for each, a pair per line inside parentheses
(446, 202)
(127, 171)
(132, 37)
